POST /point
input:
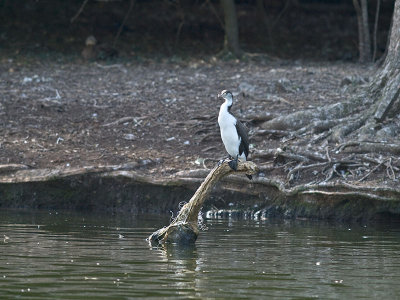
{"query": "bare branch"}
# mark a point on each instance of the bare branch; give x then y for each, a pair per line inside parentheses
(79, 11)
(378, 6)
(123, 22)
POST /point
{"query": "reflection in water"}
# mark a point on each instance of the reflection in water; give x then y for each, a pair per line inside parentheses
(183, 263)
(69, 255)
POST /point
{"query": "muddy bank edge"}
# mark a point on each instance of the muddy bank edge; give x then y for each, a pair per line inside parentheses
(117, 189)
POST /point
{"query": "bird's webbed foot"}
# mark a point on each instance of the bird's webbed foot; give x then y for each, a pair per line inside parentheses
(233, 164)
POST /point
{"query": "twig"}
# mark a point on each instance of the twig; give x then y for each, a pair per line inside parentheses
(214, 11)
(343, 146)
(322, 136)
(53, 99)
(308, 154)
(281, 13)
(79, 11)
(389, 169)
(378, 6)
(181, 13)
(370, 172)
(123, 22)
(327, 154)
(123, 120)
(300, 167)
(331, 172)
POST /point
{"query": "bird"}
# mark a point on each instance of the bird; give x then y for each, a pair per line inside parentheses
(233, 132)
(89, 52)
(94, 51)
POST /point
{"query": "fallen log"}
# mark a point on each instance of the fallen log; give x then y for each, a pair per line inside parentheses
(184, 228)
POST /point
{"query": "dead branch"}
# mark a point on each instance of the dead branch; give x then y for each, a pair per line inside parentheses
(184, 228)
(12, 168)
(307, 153)
(347, 195)
(281, 13)
(214, 11)
(370, 172)
(320, 137)
(389, 169)
(123, 120)
(301, 167)
(79, 11)
(131, 4)
(375, 41)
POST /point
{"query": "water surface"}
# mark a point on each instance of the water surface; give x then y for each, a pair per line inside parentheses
(51, 255)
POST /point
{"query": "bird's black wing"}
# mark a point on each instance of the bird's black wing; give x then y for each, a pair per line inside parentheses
(244, 143)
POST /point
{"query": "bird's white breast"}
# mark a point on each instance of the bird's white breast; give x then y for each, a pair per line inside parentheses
(229, 135)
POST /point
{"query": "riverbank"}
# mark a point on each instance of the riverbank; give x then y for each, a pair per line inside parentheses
(119, 189)
(140, 137)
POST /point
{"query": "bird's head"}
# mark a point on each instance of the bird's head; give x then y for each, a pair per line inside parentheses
(226, 96)
(90, 41)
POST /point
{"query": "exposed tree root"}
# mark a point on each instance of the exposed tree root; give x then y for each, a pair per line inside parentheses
(352, 140)
(370, 147)
(300, 119)
(323, 164)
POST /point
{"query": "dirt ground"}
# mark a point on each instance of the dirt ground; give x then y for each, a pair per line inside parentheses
(158, 117)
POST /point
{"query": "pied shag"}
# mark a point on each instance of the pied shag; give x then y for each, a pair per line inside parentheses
(233, 133)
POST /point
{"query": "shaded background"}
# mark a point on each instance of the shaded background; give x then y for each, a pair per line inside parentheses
(292, 29)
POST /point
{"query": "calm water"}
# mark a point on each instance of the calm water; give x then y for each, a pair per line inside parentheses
(72, 256)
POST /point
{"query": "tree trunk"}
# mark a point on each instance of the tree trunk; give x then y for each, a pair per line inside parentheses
(264, 21)
(364, 39)
(388, 78)
(367, 124)
(231, 41)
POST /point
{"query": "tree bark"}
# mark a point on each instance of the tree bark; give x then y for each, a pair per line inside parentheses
(231, 40)
(364, 39)
(388, 78)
